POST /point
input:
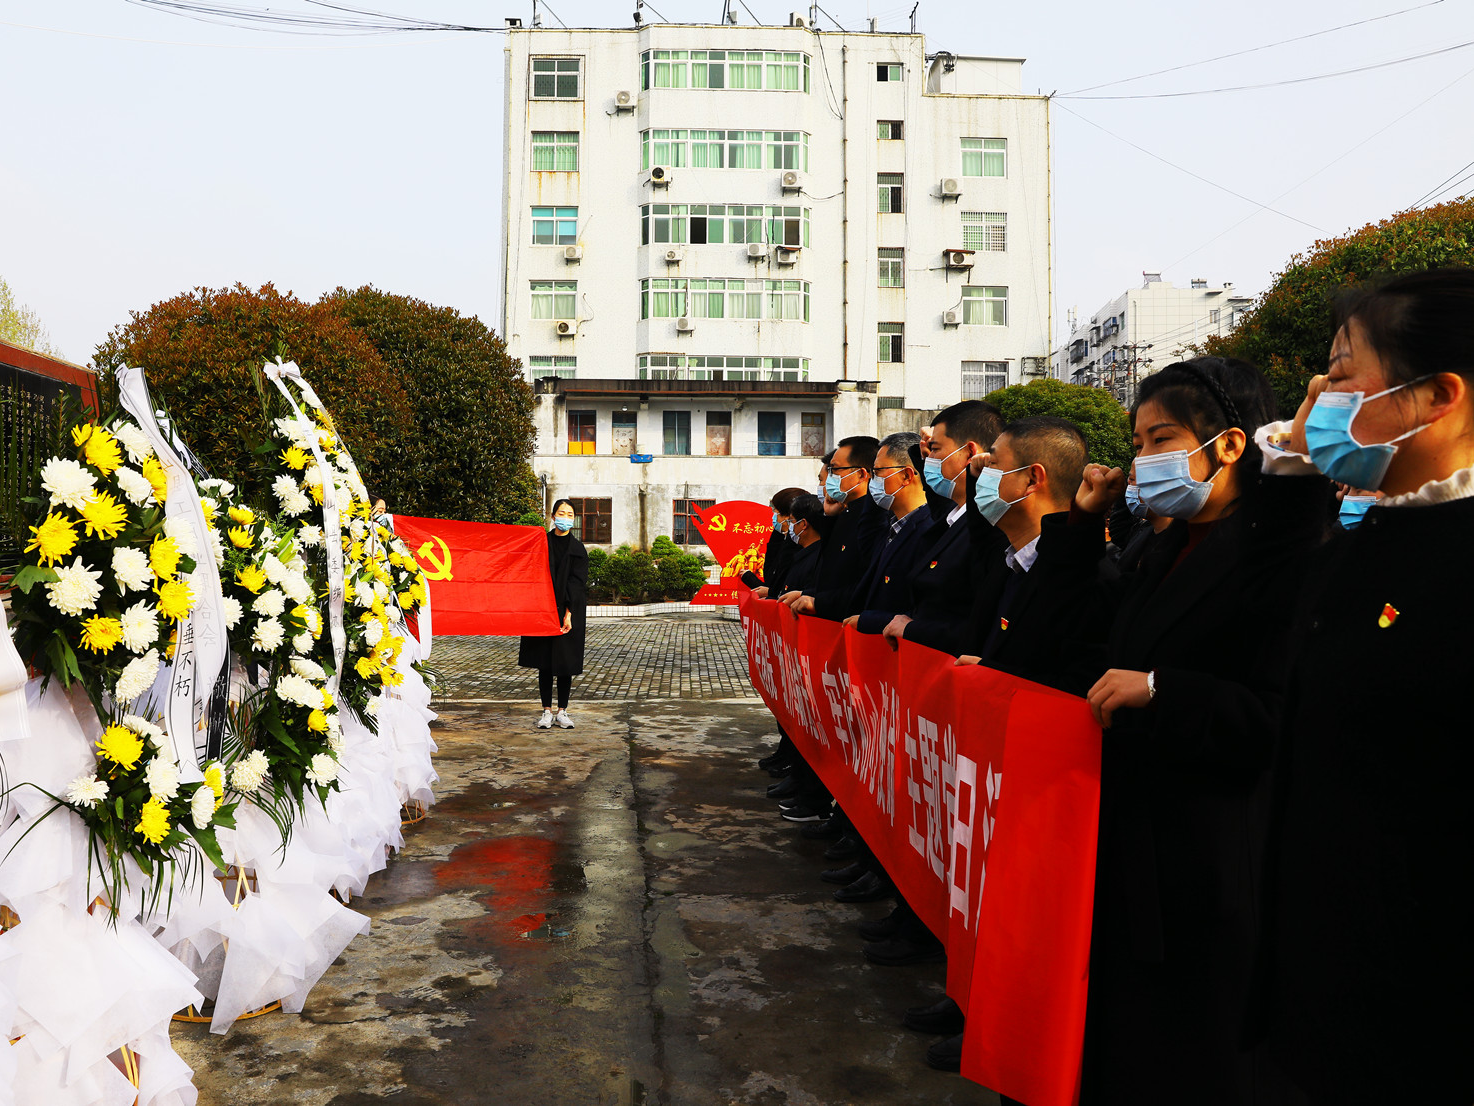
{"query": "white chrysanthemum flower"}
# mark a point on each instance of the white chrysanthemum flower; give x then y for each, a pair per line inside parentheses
(135, 486)
(358, 528)
(227, 488)
(302, 643)
(162, 779)
(210, 503)
(373, 631)
(268, 636)
(211, 482)
(297, 588)
(296, 504)
(270, 603)
(314, 621)
(284, 486)
(86, 791)
(137, 677)
(309, 669)
(299, 432)
(130, 568)
(373, 705)
(312, 474)
(296, 689)
(310, 534)
(233, 611)
(363, 594)
(183, 534)
(381, 590)
(217, 549)
(202, 807)
(394, 613)
(273, 568)
(75, 588)
(249, 771)
(145, 729)
(69, 483)
(335, 740)
(140, 627)
(323, 770)
(134, 440)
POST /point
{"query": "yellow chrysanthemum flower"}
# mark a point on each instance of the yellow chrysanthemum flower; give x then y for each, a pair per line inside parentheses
(175, 600)
(100, 634)
(294, 458)
(367, 617)
(327, 699)
(80, 433)
(215, 780)
(391, 677)
(120, 745)
(173, 641)
(104, 515)
(243, 515)
(418, 591)
(54, 538)
(317, 722)
(316, 490)
(240, 538)
(366, 666)
(406, 599)
(153, 472)
(378, 608)
(355, 552)
(209, 513)
(153, 823)
(251, 578)
(101, 451)
(163, 557)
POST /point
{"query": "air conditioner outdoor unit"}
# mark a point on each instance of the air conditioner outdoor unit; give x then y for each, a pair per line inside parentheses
(959, 259)
(787, 255)
(793, 181)
(673, 257)
(952, 318)
(951, 188)
(683, 325)
(660, 176)
(756, 251)
(796, 20)
(565, 328)
(572, 253)
(624, 101)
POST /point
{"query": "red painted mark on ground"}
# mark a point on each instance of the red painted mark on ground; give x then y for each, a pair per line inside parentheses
(517, 871)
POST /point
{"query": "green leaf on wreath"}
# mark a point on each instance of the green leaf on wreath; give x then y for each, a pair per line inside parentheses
(31, 575)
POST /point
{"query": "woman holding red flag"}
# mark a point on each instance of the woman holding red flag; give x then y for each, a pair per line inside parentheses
(561, 655)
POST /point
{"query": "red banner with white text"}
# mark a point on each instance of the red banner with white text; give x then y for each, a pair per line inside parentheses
(980, 793)
(484, 578)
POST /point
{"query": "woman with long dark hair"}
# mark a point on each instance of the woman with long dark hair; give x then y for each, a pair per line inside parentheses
(560, 655)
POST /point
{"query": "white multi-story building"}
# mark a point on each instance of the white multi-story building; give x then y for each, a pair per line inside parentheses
(728, 247)
(1145, 329)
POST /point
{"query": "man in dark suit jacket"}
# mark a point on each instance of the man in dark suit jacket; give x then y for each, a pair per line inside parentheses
(941, 583)
(858, 528)
(896, 486)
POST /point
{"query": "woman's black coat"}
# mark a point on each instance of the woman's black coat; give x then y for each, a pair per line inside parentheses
(1184, 803)
(776, 559)
(562, 654)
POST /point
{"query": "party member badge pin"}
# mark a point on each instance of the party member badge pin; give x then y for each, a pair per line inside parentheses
(932, 565)
(1388, 617)
(1003, 623)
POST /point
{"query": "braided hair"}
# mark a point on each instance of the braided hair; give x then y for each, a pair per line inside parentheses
(1209, 395)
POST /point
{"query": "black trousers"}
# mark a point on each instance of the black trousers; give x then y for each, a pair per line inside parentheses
(545, 687)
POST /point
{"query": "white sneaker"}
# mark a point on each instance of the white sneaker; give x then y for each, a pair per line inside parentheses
(564, 720)
(546, 721)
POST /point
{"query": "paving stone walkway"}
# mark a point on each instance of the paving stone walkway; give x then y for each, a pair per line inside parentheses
(695, 656)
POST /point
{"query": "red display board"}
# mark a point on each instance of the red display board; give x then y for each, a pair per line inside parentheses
(484, 578)
(737, 533)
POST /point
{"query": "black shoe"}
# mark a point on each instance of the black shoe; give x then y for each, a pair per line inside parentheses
(846, 848)
(898, 952)
(868, 888)
(821, 830)
(772, 760)
(843, 876)
(944, 1017)
(803, 813)
(784, 789)
(790, 802)
(881, 928)
(946, 1055)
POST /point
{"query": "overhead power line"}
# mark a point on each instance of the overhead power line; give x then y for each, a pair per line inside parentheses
(344, 20)
(1440, 187)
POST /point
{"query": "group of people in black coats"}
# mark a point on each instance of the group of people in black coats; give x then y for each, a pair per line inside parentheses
(1271, 623)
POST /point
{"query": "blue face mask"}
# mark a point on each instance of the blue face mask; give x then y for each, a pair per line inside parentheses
(793, 532)
(931, 471)
(775, 520)
(833, 487)
(1133, 501)
(992, 506)
(882, 498)
(1336, 453)
(1165, 483)
(563, 525)
(1353, 510)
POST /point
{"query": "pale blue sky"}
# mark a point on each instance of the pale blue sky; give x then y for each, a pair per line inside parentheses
(146, 153)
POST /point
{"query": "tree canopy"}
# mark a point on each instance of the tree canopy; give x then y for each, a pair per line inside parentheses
(1288, 331)
(20, 326)
(1095, 411)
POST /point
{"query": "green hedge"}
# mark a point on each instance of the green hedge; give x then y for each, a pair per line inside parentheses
(631, 575)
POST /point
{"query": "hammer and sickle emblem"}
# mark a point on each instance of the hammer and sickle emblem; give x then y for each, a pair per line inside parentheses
(717, 523)
(440, 570)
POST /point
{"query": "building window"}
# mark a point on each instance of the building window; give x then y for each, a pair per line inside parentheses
(982, 378)
(888, 130)
(557, 78)
(985, 157)
(684, 530)
(811, 433)
(540, 366)
(982, 306)
(623, 431)
(724, 298)
(718, 433)
(892, 343)
(677, 433)
(772, 434)
(891, 268)
(674, 366)
(555, 151)
(717, 224)
(581, 432)
(985, 230)
(725, 149)
(891, 188)
(594, 519)
(554, 226)
(1213, 315)
(887, 72)
(554, 299)
(777, 71)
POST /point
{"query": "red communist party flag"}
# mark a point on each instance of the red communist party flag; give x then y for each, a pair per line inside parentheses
(736, 532)
(484, 578)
